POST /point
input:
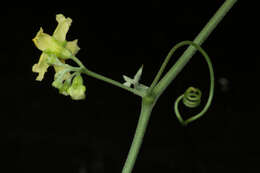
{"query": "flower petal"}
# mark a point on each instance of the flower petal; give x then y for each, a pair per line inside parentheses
(41, 67)
(73, 46)
(62, 28)
(43, 41)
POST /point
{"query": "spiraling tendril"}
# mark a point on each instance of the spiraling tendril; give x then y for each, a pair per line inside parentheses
(192, 96)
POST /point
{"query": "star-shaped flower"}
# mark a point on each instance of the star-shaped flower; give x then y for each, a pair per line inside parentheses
(135, 81)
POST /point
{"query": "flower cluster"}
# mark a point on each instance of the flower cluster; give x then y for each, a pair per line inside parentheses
(55, 50)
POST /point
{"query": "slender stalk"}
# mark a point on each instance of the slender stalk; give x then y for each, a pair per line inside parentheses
(105, 79)
(111, 81)
(190, 51)
(138, 138)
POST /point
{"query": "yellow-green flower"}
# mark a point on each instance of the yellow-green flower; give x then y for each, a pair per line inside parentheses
(55, 44)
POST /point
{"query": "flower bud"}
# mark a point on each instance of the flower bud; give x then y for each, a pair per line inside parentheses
(77, 89)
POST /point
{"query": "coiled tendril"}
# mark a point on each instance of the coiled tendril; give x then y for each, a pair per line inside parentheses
(192, 97)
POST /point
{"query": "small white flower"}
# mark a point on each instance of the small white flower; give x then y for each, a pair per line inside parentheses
(135, 81)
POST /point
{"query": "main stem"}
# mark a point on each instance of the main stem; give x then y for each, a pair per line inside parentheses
(190, 51)
(167, 79)
(146, 110)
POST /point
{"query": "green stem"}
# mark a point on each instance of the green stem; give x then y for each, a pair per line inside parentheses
(105, 79)
(138, 138)
(186, 56)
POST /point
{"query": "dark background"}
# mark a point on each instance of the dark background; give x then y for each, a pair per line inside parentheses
(48, 132)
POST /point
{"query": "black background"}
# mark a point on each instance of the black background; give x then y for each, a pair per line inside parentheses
(48, 132)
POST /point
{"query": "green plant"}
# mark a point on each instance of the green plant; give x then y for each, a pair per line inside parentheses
(56, 50)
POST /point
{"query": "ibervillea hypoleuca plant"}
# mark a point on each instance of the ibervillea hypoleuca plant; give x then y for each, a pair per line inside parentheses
(56, 50)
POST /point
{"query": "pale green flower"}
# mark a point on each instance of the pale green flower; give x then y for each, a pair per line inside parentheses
(135, 81)
(129, 82)
(55, 44)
